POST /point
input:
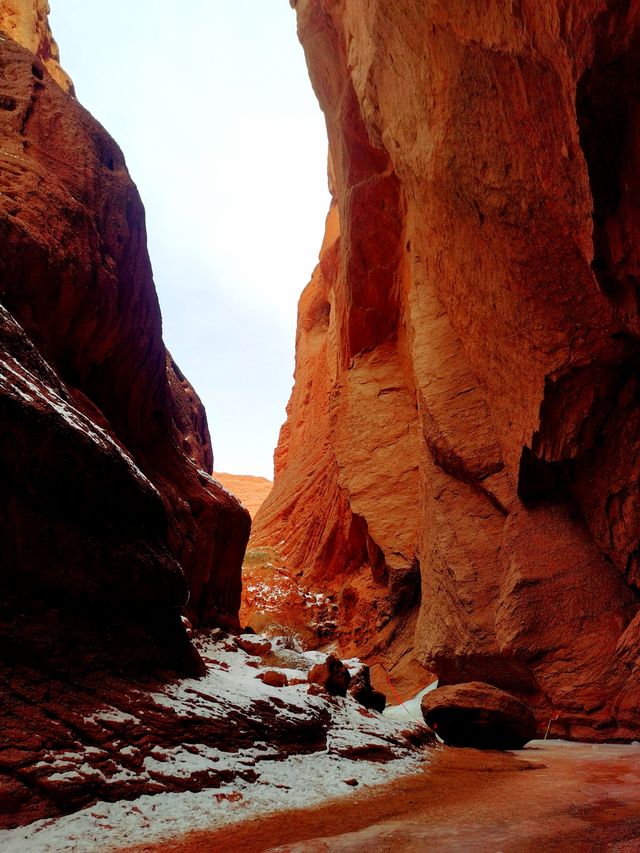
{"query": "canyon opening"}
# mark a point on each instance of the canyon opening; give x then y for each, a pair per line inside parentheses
(440, 587)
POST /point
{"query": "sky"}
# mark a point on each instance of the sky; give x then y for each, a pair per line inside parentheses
(211, 103)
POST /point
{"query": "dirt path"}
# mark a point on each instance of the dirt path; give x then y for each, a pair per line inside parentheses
(556, 797)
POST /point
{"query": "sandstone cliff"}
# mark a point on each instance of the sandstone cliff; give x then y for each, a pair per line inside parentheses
(106, 495)
(466, 397)
(27, 22)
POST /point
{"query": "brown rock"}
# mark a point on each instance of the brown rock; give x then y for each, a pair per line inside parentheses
(478, 715)
(362, 691)
(254, 646)
(332, 676)
(109, 519)
(89, 393)
(273, 678)
(466, 404)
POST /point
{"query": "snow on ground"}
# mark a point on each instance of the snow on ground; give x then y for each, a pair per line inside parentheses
(272, 780)
(409, 710)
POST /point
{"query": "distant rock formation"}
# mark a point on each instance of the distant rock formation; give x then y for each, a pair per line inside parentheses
(250, 491)
(464, 430)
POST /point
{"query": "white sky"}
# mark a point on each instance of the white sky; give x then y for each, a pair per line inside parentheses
(211, 103)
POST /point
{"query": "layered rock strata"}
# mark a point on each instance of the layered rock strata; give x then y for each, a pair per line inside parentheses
(464, 426)
(87, 735)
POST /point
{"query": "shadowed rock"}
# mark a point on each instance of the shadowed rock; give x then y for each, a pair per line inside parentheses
(478, 715)
(332, 675)
(362, 691)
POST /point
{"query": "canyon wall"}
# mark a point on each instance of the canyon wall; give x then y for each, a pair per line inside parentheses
(27, 23)
(463, 438)
(107, 503)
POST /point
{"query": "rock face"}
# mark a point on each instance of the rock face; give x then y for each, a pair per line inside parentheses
(27, 22)
(106, 498)
(478, 715)
(110, 522)
(250, 491)
(464, 429)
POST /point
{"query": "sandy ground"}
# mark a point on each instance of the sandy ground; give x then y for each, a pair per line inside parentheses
(551, 796)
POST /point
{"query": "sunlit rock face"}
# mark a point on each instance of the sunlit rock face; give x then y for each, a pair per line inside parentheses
(106, 498)
(27, 22)
(467, 391)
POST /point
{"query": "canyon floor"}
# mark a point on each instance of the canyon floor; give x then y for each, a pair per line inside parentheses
(551, 796)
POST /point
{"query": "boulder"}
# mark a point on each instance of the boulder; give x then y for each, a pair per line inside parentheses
(332, 675)
(362, 691)
(273, 678)
(478, 715)
(254, 645)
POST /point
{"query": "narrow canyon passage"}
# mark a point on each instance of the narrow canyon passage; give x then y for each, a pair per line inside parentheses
(205, 661)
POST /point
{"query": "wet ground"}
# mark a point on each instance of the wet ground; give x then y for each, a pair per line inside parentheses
(553, 796)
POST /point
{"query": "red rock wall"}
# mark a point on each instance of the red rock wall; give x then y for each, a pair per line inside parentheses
(106, 495)
(27, 22)
(466, 386)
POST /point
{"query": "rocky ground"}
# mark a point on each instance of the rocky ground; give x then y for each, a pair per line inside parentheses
(111, 763)
(277, 597)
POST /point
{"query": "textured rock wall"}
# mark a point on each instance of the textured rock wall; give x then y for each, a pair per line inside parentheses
(106, 495)
(466, 394)
(27, 22)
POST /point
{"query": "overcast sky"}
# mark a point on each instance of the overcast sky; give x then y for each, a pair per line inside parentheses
(211, 103)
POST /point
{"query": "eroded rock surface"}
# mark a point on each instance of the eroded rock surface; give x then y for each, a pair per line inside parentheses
(464, 426)
(250, 491)
(111, 525)
(107, 440)
(27, 22)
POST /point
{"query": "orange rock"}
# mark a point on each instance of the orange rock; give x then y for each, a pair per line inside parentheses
(462, 436)
(27, 22)
(273, 678)
(332, 676)
(253, 646)
(250, 491)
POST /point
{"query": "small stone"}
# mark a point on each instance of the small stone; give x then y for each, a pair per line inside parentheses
(253, 646)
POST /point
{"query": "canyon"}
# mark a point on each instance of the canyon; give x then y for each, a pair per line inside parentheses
(456, 484)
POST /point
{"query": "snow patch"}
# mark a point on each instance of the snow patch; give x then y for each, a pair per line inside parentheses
(263, 778)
